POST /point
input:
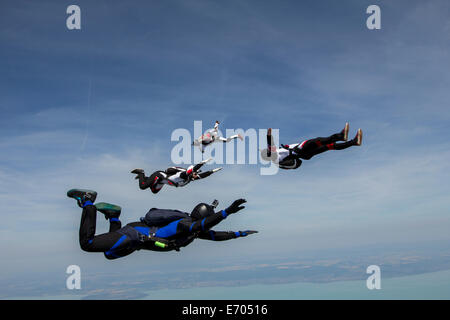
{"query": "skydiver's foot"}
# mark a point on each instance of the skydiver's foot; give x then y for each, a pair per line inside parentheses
(358, 138)
(138, 172)
(344, 132)
(216, 169)
(82, 196)
(108, 209)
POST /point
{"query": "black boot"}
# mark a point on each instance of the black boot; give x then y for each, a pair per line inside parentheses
(82, 196)
(138, 172)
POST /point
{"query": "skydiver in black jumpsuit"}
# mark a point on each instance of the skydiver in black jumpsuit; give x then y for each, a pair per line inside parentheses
(122, 241)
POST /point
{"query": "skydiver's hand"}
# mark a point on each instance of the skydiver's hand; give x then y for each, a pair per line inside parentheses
(246, 233)
(235, 206)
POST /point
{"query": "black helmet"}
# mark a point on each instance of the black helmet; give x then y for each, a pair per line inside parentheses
(201, 211)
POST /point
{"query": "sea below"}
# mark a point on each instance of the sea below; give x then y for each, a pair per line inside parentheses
(434, 286)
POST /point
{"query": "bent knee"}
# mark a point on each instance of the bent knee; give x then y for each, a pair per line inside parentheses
(86, 245)
(109, 257)
(142, 186)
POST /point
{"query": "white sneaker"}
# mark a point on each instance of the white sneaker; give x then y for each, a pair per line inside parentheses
(345, 131)
(359, 137)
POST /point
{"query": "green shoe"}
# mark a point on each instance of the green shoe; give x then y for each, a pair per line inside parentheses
(82, 195)
(108, 209)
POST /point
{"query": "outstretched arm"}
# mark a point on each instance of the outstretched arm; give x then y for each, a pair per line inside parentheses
(235, 136)
(174, 170)
(187, 226)
(199, 165)
(201, 175)
(290, 163)
(207, 223)
(224, 235)
(191, 172)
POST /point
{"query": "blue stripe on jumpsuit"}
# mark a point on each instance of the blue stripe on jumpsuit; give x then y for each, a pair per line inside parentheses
(169, 230)
(110, 252)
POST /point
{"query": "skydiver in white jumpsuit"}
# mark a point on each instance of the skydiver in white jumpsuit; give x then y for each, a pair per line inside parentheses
(213, 136)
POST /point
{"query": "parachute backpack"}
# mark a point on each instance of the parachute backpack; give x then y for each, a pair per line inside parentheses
(160, 217)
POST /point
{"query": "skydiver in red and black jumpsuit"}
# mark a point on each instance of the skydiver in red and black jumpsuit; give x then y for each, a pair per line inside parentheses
(289, 156)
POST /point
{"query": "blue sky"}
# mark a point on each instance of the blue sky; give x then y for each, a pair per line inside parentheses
(82, 108)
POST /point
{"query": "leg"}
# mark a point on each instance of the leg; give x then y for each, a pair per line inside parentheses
(150, 182)
(88, 241)
(144, 182)
(325, 140)
(156, 177)
(318, 145)
(105, 242)
(112, 213)
(345, 145)
(114, 224)
(356, 141)
(113, 244)
(341, 136)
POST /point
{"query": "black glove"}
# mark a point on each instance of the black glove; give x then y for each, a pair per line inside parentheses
(174, 183)
(235, 206)
(246, 233)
